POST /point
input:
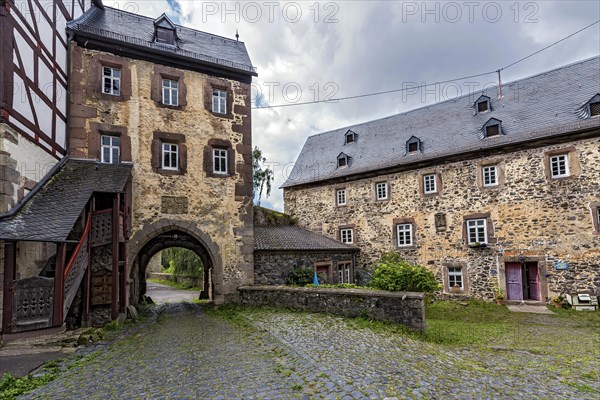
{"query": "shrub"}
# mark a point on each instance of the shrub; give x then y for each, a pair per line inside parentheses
(300, 276)
(395, 274)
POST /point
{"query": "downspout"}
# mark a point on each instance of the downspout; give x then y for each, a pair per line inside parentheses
(68, 127)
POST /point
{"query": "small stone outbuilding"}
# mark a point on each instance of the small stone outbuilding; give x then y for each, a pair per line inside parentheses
(280, 249)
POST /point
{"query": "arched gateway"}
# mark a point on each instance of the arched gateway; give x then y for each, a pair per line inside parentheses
(171, 233)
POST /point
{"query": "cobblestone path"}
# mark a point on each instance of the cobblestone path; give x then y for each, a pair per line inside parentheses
(189, 354)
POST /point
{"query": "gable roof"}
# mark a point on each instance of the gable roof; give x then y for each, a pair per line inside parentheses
(49, 215)
(540, 106)
(137, 31)
(294, 238)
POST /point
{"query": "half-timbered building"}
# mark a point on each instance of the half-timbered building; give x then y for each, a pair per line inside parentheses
(157, 153)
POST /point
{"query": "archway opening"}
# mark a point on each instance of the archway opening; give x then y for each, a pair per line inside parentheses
(174, 274)
(174, 246)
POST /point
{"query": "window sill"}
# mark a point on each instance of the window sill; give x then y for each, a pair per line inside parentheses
(111, 97)
(169, 172)
(411, 247)
(221, 115)
(214, 175)
(168, 106)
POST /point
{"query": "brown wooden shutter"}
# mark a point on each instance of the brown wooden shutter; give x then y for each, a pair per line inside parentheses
(156, 154)
(182, 158)
(125, 148)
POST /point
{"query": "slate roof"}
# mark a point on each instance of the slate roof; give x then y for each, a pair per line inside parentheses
(543, 105)
(138, 31)
(50, 214)
(294, 238)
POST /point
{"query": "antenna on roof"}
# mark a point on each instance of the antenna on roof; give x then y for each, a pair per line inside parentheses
(237, 35)
(499, 85)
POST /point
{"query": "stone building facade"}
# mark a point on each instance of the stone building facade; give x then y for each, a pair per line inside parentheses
(488, 192)
(180, 111)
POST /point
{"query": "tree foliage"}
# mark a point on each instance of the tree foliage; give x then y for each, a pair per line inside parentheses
(395, 274)
(182, 262)
(262, 175)
(300, 276)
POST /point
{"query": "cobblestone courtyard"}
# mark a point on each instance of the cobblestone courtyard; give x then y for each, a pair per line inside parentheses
(189, 353)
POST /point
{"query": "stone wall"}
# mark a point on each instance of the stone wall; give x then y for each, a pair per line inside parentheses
(182, 279)
(220, 207)
(273, 267)
(400, 307)
(531, 217)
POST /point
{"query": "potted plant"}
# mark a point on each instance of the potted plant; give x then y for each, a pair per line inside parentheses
(558, 301)
(499, 295)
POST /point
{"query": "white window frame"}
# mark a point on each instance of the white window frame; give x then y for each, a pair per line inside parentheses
(452, 272)
(344, 271)
(113, 79)
(381, 191)
(489, 172)
(479, 229)
(558, 160)
(347, 235)
(220, 161)
(404, 235)
(111, 147)
(170, 149)
(340, 197)
(170, 92)
(429, 183)
(219, 101)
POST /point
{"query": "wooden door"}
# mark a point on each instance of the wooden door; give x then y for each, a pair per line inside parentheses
(514, 281)
(534, 281)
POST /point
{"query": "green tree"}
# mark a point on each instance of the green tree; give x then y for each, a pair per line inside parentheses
(262, 175)
(182, 262)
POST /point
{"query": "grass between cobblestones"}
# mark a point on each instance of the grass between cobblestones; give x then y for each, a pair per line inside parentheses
(565, 345)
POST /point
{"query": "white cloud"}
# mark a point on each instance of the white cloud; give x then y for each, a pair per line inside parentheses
(377, 46)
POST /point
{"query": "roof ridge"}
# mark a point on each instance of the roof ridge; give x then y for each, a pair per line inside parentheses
(176, 25)
(454, 99)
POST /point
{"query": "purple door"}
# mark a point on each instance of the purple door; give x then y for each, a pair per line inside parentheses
(534, 281)
(514, 281)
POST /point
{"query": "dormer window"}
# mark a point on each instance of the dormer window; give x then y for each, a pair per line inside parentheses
(350, 137)
(165, 31)
(492, 128)
(414, 145)
(482, 104)
(591, 108)
(594, 106)
(165, 36)
(595, 109)
(342, 160)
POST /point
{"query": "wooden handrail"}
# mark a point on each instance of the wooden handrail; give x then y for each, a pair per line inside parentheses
(86, 232)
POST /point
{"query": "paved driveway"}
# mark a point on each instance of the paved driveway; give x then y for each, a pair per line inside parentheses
(280, 355)
(167, 294)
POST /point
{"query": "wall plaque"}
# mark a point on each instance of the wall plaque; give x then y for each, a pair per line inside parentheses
(174, 205)
(440, 222)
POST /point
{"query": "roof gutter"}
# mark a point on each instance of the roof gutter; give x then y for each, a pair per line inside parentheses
(584, 133)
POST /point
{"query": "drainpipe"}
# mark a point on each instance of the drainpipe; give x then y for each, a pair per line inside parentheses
(68, 127)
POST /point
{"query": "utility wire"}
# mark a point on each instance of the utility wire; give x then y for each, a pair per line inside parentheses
(550, 45)
(334, 100)
(358, 96)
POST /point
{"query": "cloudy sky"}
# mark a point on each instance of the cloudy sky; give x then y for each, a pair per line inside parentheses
(306, 51)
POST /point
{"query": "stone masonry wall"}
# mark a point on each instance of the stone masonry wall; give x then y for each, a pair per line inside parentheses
(220, 207)
(400, 307)
(273, 268)
(529, 214)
